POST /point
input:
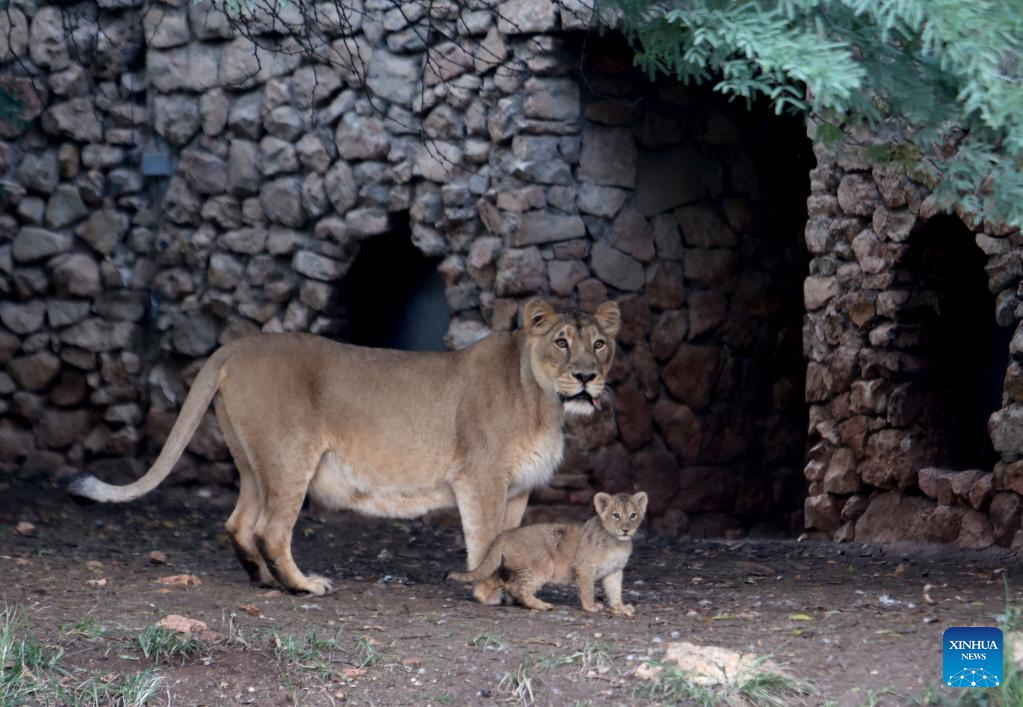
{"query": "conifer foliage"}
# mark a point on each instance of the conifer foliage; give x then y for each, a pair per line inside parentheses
(934, 84)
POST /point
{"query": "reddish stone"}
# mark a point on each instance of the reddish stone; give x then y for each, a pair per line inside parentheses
(682, 430)
(647, 372)
(664, 285)
(821, 512)
(706, 311)
(591, 432)
(592, 293)
(937, 484)
(1005, 512)
(692, 374)
(669, 329)
(1014, 382)
(893, 458)
(819, 383)
(963, 481)
(944, 523)
(860, 306)
(611, 470)
(975, 531)
(635, 425)
(841, 476)
(656, 472)
(636, 318)
(672, 523)
(1012, 477)
(853, 433)
(981, 492)
(854, 507)
(705, 488)
(713, 525)
(892, 516)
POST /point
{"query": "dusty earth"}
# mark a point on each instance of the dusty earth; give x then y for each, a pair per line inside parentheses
(858, 621)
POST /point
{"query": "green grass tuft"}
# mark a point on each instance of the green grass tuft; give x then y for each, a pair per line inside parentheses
(759, 683)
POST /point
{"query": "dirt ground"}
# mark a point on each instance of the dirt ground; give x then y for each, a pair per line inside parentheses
(858, 621)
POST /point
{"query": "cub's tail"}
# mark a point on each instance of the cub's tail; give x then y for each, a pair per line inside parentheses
(487, 567)
(198, 399)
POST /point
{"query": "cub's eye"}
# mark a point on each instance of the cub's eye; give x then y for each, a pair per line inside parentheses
(598, 345)
(632, 515)
(562, 343)
(616, 515)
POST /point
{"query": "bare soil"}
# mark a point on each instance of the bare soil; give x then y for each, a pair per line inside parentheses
(859, 621)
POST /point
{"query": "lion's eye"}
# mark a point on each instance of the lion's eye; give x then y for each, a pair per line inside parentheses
(616, 515)
(633, 515)
(598, 345)
(562, 343)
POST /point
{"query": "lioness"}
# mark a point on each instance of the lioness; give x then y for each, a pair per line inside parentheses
(563, 553)
(388, 433)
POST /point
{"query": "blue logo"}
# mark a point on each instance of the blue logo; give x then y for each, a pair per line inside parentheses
(972, 657)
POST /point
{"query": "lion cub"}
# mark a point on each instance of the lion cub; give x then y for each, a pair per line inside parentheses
(527, 558)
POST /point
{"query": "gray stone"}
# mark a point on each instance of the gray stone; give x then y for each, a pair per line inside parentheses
(246, 240)
(704, 228)
(121, 305)
(76, 274)
(551, 99)
(316, 266)
(393, 78)
(314, 196)
(208, 21)
(669, 178)
(520, 271)
(99, 335)
(362, 138)
(213, 109)
(13, 34)
(196, 336)
(284, 122)
(47, 39)
(62, 313)
(192, 67)
(525, 16)
(537, 227)
(33, 244)
(277, 156)
(243, 176)
(616, 268)
(176, 116)
(104, 230)
(166, 27)
(65, 207)
(206, 173)
(351, 57)
(244, 64)
(565, 275)
(341, 187)
(818, 291)
(858, 195)
(631, 233)
(75, 119)
(34, 372)
(39, 171)
(603, 202)
(1006, 429)
(313, 153)
(367, 221)
(23, 318)
(608, 157)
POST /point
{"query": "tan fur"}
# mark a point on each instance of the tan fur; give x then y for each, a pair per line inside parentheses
(557, 553)
(388, 433)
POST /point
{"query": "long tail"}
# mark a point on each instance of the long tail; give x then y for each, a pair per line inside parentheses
(192, 411)
(491, 561)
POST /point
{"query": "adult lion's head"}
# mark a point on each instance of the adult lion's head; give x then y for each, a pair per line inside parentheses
(571, 352)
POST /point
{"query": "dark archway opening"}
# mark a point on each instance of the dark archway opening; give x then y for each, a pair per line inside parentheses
(966, 352)
(393, 295)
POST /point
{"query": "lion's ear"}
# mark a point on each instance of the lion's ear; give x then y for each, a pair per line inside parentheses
(601, 501)
(609, 318)
(538, 317)
(640, 499)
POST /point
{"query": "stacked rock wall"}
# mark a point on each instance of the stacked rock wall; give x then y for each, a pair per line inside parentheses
(175, 186)
(885, 460)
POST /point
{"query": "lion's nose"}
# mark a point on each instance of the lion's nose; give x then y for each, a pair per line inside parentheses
(584, 378)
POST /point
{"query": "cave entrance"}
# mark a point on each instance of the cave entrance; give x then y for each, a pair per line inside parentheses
(393, 294)
(967, 351)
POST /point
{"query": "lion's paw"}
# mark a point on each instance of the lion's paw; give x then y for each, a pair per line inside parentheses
(624, 610)
(318, 586)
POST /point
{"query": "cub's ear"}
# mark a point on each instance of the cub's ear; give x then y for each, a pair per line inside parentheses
(609, 318)
(601, 501)
(538, 317)
(640, 500)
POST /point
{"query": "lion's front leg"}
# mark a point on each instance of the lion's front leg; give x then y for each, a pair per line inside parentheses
(514, 509)
(482, 509)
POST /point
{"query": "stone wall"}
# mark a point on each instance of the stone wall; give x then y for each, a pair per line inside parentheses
(181, 187)
(882, 463)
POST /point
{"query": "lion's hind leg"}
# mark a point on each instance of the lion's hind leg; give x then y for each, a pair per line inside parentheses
(283, 494)
(242, 522)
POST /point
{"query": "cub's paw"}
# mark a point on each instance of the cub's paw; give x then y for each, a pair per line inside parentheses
(595, 606)
(488, 593)
(624, 610)
(318, 586)
(541, 606)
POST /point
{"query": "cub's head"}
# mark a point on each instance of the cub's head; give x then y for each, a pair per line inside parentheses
(621, 514)
(571, 352)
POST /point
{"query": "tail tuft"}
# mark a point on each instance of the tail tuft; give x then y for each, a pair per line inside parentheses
(82, 488)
